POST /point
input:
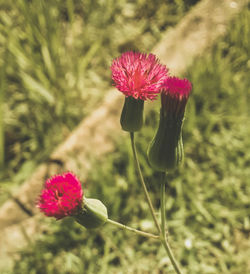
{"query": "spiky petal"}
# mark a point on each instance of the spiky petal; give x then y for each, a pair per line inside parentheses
(139, 75)
(62, 196)
(174, 96)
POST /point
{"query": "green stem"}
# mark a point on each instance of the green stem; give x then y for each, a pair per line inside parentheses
(163, 225)
(162, 229)
(163, 203)
(139, 232)
(171, 256)
(143, 183)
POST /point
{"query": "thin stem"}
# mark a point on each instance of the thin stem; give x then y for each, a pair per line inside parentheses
(171, 256)
(162, 229)
(139, 232)
(163, 225)
(163, 203)
(143, 183)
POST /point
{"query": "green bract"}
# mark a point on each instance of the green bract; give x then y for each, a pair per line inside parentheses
(93, 215)
(165, 152)
(132, 114)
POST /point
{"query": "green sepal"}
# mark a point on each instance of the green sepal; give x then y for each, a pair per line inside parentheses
(132, 114)
(93, 214)
(165, 152)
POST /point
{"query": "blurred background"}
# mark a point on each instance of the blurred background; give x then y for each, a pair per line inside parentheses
(54, 72)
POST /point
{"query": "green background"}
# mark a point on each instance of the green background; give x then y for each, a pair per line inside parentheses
(55, 55)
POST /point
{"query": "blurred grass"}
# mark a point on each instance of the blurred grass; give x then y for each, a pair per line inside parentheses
(208, 202)
(59, 54)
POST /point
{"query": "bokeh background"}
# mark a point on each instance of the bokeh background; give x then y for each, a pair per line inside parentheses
(54, 72)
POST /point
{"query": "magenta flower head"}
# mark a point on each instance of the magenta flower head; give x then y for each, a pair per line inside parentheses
(165, 152)
(62, 196)
(174, 96)
(139, 77)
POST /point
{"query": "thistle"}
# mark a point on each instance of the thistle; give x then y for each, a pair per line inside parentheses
(62, 196)
(139, 77)
(165, 152)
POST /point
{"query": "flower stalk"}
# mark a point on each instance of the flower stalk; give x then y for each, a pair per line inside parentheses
(131, 229)
(161, 229)
(164, 240)
(163, 203)
(143, 183)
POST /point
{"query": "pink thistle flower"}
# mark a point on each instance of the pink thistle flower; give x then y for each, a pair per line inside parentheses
(62, 196)
(139, 75)
(174, 96)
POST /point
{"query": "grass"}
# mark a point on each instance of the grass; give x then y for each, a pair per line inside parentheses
(55, 59)
(207, 200)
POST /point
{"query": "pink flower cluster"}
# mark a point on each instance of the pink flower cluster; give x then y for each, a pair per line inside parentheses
(142, 76)
(176, 87)
(135, 74)
(62, 196)
(174, 96)
(138, 75)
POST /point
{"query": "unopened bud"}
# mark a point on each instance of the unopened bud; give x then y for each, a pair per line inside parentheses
(165, 152)
(132, 114)
(93, 214)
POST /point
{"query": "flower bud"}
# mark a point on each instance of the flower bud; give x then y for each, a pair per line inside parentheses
(93, 214)
(132, 114)
(165, 152)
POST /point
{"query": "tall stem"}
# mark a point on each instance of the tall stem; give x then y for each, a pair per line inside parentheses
(161, 229)
(163, 203)
(163, 225)
(143, 183)
(139, 232)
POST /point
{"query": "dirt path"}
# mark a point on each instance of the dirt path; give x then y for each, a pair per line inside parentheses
(93, 137)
